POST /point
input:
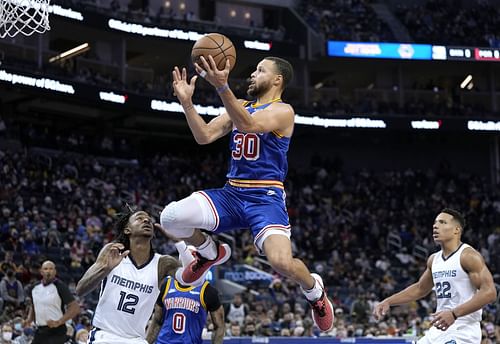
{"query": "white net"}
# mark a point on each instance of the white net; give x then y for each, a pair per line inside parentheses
(23, 16)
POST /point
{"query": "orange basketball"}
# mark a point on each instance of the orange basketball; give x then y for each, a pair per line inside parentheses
(217, 45)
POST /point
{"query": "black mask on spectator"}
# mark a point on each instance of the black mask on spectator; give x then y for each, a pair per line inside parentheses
(10, 273)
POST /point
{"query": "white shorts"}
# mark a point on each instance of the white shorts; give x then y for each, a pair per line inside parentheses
(458, 333)
(103, 337)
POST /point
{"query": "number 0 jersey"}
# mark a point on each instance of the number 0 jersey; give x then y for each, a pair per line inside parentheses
(185, 311)
(257, 156)
(127, 298)
(452, 283)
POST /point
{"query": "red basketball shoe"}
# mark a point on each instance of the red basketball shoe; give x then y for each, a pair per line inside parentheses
(322, 309)
(195, 271)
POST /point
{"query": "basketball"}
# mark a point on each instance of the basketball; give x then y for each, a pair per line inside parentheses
(217, 45)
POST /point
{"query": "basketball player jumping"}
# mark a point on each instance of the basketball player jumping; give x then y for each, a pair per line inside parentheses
(253, 196)
(462, 282)
(130, 274)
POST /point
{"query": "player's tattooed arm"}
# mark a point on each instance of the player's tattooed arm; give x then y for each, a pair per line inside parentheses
(110, 256)
(219, 325)
(167, 267)
(155, 325)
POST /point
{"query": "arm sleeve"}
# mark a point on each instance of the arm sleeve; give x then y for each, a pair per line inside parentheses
(159, 300)
(64, 293)
(212, 299)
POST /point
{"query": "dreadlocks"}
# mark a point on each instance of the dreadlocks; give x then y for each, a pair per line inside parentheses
(120, 225)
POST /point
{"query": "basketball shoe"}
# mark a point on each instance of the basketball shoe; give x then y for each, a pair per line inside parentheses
(322, 309)
(193, 274)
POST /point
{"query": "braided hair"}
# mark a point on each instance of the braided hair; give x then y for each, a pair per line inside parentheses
(121, 224)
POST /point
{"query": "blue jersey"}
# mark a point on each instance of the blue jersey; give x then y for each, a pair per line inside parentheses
(258, 158)
(184, 313)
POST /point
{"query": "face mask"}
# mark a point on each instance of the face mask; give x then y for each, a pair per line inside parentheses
(7, 336)
(81, 342)
(18, 327)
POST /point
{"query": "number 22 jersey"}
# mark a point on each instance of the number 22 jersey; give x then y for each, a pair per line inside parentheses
(452, 283)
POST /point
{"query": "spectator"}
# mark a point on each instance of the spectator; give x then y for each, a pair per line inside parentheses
(7, 334)
(236, 311)
(234, 329)
(11, 290)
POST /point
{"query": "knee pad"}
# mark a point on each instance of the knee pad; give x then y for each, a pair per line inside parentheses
(169, 220)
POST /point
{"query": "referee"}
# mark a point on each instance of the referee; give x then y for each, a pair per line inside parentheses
(52, 305)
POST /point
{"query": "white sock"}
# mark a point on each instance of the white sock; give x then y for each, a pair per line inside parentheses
(208, 249)
(314, 293)
(185, 255)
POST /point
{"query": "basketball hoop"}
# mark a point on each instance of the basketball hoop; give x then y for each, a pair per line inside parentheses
(23, 16)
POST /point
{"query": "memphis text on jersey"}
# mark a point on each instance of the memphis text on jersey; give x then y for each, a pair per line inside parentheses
(444, 274)
(132, 285)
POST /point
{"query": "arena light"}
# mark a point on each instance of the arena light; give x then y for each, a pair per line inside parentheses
(257, 45)
(483, 125)
(161, 105)
(43, 83)
(142, 30)
(354, 122)
(113, 97)
(424, 124)
(82, 48)
(65, 12)
(466, 81)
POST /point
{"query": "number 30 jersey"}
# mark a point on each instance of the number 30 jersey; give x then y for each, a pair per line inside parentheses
(257, 156)
(452, 283)
(127, 298)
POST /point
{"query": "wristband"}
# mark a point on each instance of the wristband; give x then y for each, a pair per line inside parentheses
(454, 315)
(223, 88)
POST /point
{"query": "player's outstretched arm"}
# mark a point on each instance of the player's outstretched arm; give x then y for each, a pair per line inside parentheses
(277, 117)
(414, 292)
(155, 324)
(481, 278)
(109, 257)
(203, 132)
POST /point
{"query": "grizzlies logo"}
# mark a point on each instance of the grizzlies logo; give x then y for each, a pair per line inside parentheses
(451, 342)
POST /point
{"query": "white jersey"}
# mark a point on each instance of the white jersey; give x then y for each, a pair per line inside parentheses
(452, 284)
(236, 313)
(127, 298)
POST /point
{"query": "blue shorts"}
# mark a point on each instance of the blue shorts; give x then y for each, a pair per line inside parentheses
(262, 210)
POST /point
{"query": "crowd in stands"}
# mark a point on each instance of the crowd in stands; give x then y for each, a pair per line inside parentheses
(430, 105)
(448, 22)
(466, 23)
(57, 204)
(472, 23)
(345, 20)
(166, 15)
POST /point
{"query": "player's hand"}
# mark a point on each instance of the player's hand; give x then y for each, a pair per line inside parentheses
(166, 234)
(208, 70)
(111, 255)
(442, 320)
(381, 310)
(182, 89)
